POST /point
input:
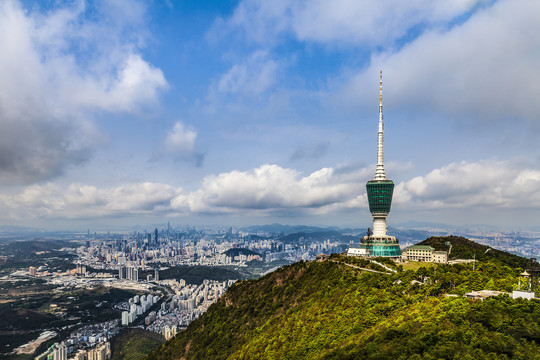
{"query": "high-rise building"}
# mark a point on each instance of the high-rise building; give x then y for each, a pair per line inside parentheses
(156, 275)
(100, 352)
(132, 273)
(60, 352)
(125, 318)
(81, 355)
(170, 332)
(121, 272)
(128, 273)
(81, 269)
(379, 192)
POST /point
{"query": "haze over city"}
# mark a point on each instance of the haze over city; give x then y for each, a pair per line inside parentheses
(119, 113)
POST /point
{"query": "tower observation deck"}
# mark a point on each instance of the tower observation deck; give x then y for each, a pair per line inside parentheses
(379, 193)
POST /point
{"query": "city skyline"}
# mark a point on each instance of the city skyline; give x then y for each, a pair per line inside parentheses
(248, 112)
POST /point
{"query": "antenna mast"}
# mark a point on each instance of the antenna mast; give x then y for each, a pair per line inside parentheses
(379, 172)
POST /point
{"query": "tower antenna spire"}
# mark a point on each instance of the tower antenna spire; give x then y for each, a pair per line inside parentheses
(379, 172)
(380, 89)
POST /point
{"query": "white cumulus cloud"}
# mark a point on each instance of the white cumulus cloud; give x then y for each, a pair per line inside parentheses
(483, 184)
(271, 188)
(489, 186)
(180, 139)
(57, 69)
(343, 21)
(482, 71)
(80, 201)
(180, 143)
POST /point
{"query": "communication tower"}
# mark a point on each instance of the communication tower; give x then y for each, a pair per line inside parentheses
(379, 193)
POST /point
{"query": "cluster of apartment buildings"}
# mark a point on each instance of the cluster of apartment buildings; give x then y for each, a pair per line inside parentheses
(188, 303)
(138, 305)
(128, 273)
(100, 352)
(59, 351)
(170, 332)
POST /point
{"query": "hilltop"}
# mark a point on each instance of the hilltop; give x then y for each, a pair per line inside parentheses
(240, 251)
(463, 248)
(332, 310)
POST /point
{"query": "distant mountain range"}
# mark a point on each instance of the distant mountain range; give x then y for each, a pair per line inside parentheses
(276, 228)
(283, 229)
(428, 227)
(18, 229)
(291, 233)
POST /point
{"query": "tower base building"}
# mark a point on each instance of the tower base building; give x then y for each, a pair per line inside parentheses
(384, 246)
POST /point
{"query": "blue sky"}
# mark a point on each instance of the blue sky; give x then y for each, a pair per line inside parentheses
(120, 113)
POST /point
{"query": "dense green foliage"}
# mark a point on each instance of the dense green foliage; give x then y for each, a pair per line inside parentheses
(25, 319)
(365, 263)
(34, 311)
(331, 310)
(134, 344)
(197, 274)
(463, 248)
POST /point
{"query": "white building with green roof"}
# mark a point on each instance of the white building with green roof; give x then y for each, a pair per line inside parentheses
(424, 253)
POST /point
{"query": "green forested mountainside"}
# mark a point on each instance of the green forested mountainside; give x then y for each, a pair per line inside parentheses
(330, 310)
(134, 344)
(463, 248)
(25, 319)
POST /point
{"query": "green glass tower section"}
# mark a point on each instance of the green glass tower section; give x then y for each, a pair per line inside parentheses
(379, 194)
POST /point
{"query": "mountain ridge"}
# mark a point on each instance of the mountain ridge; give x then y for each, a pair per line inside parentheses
(332, 310)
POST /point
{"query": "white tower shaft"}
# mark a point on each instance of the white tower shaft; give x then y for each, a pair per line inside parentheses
(379, 225)
(379, 172)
